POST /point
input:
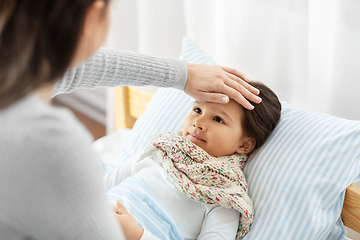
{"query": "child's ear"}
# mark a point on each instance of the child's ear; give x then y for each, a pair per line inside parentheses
(247, 145)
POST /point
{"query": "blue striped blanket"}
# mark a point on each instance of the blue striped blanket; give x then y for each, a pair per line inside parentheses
(145, 208)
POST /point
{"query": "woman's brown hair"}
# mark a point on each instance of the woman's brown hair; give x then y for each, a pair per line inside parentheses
(38, 40)
(261, 121)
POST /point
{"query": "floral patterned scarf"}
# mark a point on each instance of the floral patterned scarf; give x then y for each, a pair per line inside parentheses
(204, 178)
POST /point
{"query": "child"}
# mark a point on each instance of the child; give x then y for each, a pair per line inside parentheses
(205, 163)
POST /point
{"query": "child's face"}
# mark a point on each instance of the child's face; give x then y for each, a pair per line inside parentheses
(216, 128)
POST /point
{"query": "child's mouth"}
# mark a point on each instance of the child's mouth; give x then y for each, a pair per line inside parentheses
(196, 137)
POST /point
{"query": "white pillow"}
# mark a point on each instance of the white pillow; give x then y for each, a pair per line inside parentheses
(297, 180)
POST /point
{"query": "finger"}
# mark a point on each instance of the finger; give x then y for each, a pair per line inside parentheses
(213, 97)
(115, 209)
(242, 90)
(238, 97)
(248, 86)
(120, 208)
(119, 205)
(235, 72)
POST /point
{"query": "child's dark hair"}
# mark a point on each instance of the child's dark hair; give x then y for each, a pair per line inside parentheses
(37, 42)
(261, 121)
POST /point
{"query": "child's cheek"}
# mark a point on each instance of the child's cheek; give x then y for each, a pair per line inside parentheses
(185, 127)
(186, 124)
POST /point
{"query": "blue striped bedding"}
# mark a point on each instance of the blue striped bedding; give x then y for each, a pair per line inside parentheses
(145, 208)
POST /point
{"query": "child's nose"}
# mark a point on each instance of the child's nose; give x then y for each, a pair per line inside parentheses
(198, 124)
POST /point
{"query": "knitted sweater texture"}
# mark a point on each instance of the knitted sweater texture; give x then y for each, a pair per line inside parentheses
(51, 183)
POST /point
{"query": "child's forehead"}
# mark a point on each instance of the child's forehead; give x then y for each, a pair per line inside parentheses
(231, 103)
(232, 107)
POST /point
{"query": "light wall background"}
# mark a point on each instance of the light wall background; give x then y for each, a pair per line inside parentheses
(307, 51)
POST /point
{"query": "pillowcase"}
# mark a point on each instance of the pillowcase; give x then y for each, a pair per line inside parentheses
(297, 180)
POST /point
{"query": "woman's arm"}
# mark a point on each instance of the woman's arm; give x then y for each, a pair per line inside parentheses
(111, 67)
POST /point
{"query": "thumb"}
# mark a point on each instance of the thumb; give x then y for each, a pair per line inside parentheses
(214, 97)
(120, 209)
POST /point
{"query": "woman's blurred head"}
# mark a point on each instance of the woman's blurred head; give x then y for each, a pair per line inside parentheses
(41, 39)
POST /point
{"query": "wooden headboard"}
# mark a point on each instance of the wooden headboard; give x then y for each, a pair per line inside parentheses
(130, 102)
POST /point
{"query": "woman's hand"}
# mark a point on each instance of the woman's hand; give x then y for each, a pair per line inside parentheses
(216, 84)
(130, 228)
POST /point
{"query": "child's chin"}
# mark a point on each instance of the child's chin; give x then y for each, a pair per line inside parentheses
(198, 143)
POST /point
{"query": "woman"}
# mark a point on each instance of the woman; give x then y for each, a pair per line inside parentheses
(50, 180)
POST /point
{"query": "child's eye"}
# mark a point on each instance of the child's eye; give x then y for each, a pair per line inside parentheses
(197, 110)
(218, 119)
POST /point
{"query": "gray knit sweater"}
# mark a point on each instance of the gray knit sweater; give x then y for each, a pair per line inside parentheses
(51, 184)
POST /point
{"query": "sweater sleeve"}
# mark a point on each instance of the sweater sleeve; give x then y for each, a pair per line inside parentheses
(111, 67)
(58, 192)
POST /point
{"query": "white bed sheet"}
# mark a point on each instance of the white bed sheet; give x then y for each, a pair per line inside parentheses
(108, 146)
